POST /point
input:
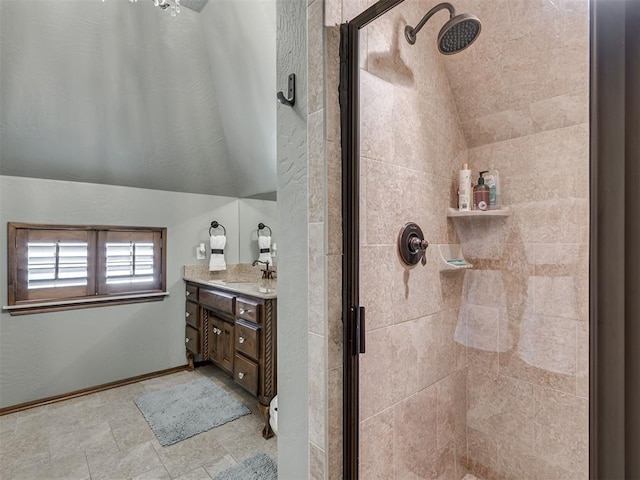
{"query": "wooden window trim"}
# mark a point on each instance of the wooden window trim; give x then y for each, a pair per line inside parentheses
(93, 295)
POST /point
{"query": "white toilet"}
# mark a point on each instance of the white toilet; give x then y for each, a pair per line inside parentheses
(273, 414)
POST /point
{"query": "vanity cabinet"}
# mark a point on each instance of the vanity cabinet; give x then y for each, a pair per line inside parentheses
(236, 332)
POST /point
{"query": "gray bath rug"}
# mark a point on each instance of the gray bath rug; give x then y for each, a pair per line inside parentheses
(259, 467)
(183, 411)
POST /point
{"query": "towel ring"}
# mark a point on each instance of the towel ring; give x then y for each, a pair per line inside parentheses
(215, 225)
(262, 226)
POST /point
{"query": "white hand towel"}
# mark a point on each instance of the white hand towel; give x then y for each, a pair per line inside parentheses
(216, 262)
(264, 244)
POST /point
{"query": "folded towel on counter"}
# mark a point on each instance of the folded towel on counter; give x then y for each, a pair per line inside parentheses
(216, 262)
(264, 245)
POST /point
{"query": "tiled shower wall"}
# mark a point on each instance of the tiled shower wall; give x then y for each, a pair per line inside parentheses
(413, 376)
(522, 95)
(485, 370)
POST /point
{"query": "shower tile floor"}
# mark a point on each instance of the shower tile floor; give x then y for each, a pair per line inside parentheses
(103, 436)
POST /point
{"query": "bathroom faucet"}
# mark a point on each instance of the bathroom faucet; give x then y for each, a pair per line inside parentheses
(266, 273)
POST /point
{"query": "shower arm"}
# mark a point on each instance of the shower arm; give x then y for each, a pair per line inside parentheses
(411, 33)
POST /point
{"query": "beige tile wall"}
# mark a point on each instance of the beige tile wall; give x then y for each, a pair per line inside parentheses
(539, 265)
(413, 376)
(483, 371)
(325, 248)
(527, 114)
(318, 339)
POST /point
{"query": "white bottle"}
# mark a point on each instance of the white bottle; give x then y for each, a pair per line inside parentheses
(274, 254)
(464, 189)
(492, 180)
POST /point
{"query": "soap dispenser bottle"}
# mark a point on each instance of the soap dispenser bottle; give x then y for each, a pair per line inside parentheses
(481, 194)
(492, 180)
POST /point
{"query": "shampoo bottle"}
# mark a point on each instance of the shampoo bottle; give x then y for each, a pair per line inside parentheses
(492, 180)
(464, 189)
(481, 194)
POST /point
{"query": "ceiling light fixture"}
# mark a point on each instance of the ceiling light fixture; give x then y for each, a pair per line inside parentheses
(173, 6)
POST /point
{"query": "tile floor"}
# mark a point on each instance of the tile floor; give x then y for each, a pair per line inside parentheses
(103, 436)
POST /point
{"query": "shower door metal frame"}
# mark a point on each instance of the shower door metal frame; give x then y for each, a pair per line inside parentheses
(352, 311)
(614, 272)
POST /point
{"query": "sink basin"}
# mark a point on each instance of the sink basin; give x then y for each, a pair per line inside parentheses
(245, 287)
(231, 282)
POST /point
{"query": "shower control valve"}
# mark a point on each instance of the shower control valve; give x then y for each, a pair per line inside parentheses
(412, 246)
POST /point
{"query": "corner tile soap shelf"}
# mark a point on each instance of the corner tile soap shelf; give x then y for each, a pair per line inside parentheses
(449, 258)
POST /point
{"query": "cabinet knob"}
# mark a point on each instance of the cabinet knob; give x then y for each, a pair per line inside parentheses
(217, 331)
(241, 340)
(186, 340)
(243, 311)
(186, 314)
(187, 293)
(240, 375)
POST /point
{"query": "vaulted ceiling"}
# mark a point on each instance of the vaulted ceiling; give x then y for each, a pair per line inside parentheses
(121, 93)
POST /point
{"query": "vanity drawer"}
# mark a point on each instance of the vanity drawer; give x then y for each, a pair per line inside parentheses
(248, 309)
(245, 373)
(191, 292)
(248, 338)
(217, 300)
(192, 340)
(191, 314)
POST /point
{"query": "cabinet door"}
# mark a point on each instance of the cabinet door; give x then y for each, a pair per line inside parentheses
(246, 374)
(192, 340)
(247, 338)
(221, 343)
(215, 335)
(227, 339)
(192, 314)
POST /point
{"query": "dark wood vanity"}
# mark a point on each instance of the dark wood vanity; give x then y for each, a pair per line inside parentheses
(236, 331)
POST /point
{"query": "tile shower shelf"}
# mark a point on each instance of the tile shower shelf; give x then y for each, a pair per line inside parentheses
(454, 213)
(449, 258)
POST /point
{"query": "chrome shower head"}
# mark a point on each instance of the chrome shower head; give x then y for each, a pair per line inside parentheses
(456, 35)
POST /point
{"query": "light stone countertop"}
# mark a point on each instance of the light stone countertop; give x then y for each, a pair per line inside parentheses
(254, 289)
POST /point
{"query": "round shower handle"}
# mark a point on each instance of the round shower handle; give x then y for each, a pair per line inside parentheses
(418, 244)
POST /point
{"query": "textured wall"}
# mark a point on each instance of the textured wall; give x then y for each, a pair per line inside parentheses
(293, 242)
(250, 214)
(526, 72)
(240, 39)
(124, 94)
(47, 354)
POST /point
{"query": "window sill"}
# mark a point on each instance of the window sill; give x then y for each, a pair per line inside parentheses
(60, 305)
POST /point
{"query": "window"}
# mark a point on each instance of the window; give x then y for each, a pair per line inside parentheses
(53, 267)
